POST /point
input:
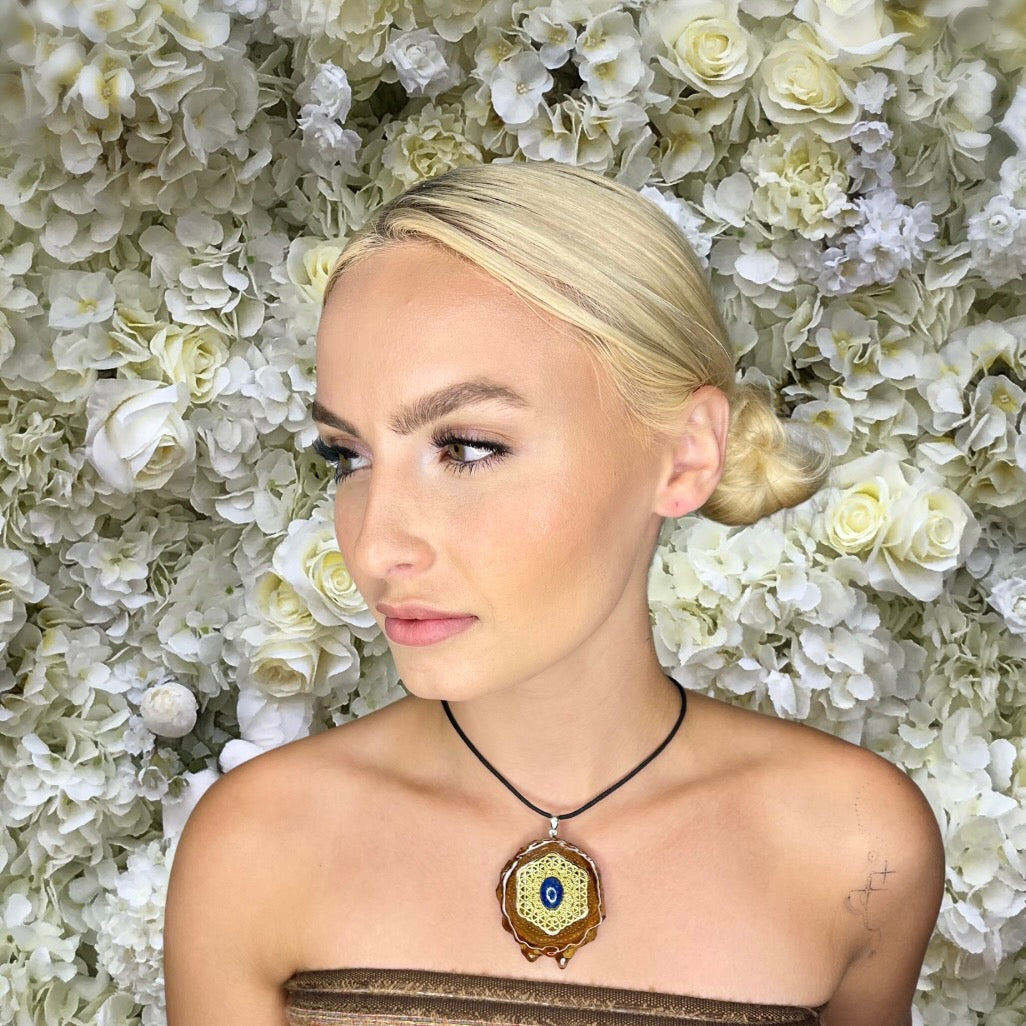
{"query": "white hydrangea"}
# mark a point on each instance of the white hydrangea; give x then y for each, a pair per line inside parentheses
(176, 181)
(128, 917)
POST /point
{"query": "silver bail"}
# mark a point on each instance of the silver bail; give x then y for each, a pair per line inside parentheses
(555, 823)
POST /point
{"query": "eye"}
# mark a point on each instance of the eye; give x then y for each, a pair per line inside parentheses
(447, 442)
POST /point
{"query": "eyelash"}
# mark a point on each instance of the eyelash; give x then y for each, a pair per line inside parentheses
(334, 453)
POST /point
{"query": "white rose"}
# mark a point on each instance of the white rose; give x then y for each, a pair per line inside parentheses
(931, 531)
(309, 265)
(857, 31)
(283, 667)
(797, 85)
(856, 518)
(1008, 597)
(706, 44)
(309, 559)
(169, 709)
(420, 60)
(280, 604)
(195, 356)
(136, 438)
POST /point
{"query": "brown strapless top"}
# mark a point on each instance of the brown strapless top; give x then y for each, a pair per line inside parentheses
(421, 997)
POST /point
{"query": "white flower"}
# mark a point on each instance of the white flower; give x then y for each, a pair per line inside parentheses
(309, 265)
(798, 85)
(79, 298)
(332, 95)
(800, 184)
(105, 86)
(309, 559)
(609, 49)
(1013, 124)
(169, 709)
(194, 356)
(910, 530)
(871, 93)
(553, 27)
(136, 438)
(689, 222)
(1008, 597)
(284, 666)
(423, 62)
(517, 87)
(432, 141)
(18, 585)
(853, 32)
(181, 799)
(705, 43)
(1000, 225)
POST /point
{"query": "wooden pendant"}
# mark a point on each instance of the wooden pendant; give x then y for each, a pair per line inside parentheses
(551, 899)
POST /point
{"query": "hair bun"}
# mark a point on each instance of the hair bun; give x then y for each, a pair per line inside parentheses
(770, 463)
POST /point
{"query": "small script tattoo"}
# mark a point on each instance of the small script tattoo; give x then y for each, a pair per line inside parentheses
(858, 900)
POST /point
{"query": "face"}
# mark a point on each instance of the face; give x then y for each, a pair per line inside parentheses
(534, 516)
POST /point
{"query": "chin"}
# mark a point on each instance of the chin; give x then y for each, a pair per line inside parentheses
(435, 682)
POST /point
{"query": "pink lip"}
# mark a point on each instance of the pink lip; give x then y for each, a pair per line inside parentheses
(425, 631)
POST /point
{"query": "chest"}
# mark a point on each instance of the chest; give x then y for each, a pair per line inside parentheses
(693, 904)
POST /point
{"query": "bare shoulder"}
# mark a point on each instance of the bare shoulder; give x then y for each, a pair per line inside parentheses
(858, 830)
(236, 901)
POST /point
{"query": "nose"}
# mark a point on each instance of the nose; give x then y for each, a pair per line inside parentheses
(387, 524)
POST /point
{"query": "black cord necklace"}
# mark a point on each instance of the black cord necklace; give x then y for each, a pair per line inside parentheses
(550, 892)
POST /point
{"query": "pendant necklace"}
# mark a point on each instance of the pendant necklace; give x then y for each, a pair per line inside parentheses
(550, 892)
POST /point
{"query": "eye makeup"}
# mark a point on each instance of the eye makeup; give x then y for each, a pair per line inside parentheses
(334, 454)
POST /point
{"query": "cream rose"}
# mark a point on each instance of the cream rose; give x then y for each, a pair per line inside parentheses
(309, 265)
(858, 516)
(136, 438)
(798, 86)
(195, 356)
(702, 42)
(280, 604)
(282, 667)
(309, 559)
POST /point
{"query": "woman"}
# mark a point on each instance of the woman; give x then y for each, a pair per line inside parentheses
(521, 372)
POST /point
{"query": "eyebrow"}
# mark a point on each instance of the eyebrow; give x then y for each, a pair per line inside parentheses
(431, 407)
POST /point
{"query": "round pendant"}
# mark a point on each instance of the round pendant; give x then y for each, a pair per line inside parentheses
(551, 899)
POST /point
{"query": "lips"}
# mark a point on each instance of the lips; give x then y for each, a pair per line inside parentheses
(426, 631)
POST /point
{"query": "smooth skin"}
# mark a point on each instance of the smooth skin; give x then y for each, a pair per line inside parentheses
(755, 859)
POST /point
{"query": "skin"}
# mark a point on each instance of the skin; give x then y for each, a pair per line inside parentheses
(754, 859)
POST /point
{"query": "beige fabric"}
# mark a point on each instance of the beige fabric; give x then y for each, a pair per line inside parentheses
(419, 997)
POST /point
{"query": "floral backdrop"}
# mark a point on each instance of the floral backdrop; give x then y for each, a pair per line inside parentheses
(176, 178)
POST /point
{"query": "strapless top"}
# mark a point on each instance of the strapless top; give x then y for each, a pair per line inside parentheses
(421, 997)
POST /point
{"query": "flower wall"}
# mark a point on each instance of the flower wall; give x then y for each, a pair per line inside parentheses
(176, 178)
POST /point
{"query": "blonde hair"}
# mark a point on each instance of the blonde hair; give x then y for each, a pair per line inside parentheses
(612, 264)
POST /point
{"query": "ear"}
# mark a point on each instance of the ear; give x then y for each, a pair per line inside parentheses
(694, 454)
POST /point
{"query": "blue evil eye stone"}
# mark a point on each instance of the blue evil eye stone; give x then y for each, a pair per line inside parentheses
(551, 892)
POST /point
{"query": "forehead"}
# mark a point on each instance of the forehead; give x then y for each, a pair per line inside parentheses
(414, 309)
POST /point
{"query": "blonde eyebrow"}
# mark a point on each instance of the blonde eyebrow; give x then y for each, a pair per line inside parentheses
(431, 407)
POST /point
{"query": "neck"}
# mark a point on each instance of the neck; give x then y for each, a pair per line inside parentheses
(561, 738)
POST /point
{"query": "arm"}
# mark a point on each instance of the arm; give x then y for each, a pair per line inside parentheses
(890, 901)
(225, 955)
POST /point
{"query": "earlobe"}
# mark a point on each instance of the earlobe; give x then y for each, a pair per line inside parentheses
(695, 455)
